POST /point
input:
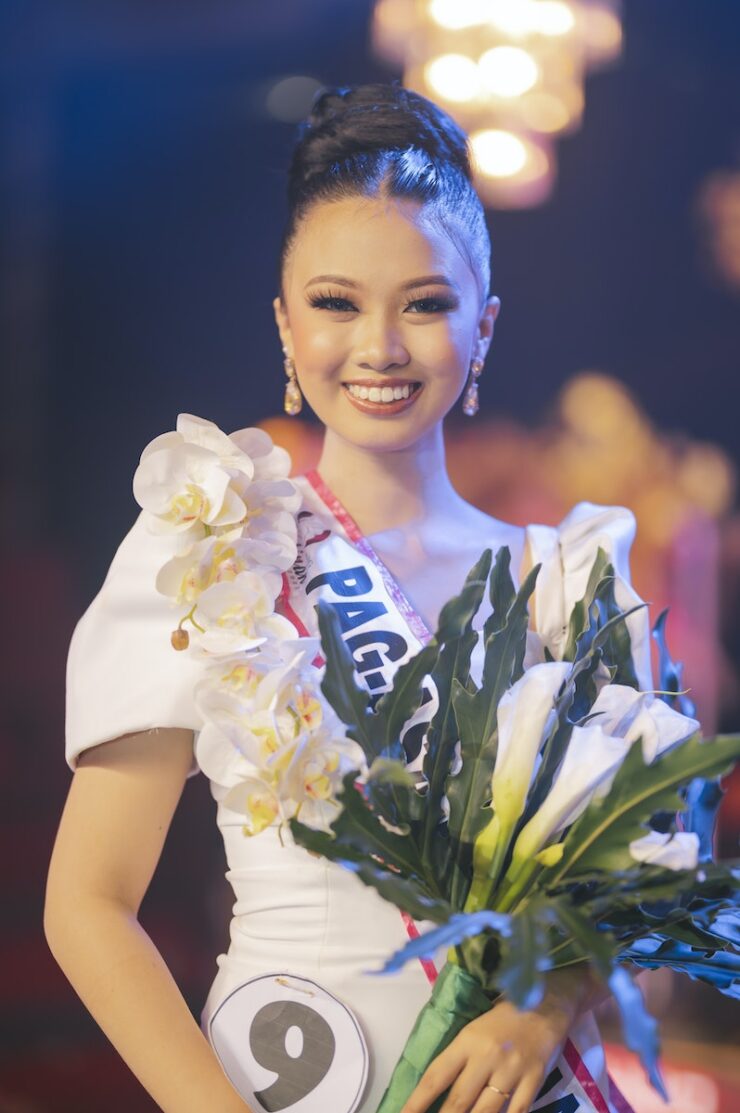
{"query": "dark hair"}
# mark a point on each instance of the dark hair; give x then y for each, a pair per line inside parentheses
(383, 140)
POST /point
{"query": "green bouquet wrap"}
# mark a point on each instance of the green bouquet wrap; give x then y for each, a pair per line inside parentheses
(457, 998)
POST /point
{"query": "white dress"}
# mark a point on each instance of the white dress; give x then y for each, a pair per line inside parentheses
(293, 913)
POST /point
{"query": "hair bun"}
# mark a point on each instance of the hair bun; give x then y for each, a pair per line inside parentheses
(351, 120)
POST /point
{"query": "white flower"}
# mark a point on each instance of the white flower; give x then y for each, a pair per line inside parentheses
(257, 801)
(679, 851)
(216, 559)
(592, 757)
(239, 614)
(198, 480)
(630, 714)
(525, 716)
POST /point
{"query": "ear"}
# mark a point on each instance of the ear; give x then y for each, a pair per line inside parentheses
(486, 323)
(281, 320)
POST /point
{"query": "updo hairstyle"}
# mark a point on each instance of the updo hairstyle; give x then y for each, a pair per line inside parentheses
(385, 141)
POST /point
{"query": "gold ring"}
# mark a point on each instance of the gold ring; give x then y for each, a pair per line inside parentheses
(504, 1093)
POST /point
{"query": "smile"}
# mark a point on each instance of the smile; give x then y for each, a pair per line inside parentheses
(382, 399)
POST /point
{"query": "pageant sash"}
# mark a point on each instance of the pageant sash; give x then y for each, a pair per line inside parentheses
(382, 630)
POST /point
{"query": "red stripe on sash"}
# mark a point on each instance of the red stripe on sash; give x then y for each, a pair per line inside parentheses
(413, 933)
(414, 620)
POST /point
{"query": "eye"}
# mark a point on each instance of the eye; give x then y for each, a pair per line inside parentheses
(331, 302)
(433, 305)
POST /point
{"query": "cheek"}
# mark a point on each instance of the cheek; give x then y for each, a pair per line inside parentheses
(319, 344)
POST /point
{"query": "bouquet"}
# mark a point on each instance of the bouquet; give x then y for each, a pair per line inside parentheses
(544, 831)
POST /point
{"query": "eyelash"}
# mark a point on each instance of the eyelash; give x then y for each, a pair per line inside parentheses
(328, 301)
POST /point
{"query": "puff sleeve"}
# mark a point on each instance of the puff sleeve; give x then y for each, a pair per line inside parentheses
(567, 553)
(122, 673)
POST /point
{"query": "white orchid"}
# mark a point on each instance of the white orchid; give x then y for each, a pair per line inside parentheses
(197, 481)
(215, 560)
(240, 614)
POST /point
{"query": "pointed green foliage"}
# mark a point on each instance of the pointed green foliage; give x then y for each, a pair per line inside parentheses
(639, 1027)
(458, 639)
(469, 790)
(524, 957)
(501, 592)
(600, 838)
(720, 968)
(591, 616)
(339, 684)
(358, 834)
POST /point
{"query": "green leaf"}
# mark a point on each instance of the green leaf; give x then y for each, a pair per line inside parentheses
(469, 790)
(524, 956)
(458, 639)
(357, 833)
(340, 685)
(639, 1028)
(600, 838)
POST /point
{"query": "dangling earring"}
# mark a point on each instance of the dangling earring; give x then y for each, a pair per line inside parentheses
(470, 399)
(293, 400)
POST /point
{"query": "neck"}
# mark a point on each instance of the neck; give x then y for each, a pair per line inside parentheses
(386, 490)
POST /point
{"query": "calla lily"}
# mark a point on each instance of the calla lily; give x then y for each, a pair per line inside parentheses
(591, 757)
(630, 714)
(524, 718)
(679, 851)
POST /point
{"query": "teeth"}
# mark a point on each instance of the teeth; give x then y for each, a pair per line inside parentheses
(380, 394)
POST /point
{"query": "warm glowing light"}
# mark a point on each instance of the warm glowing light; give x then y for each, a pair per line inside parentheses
(602, 32)
(453, 76)
(545, 112)
(552, 17)
(512, 19)
(454, 15)
(499, 154)
(508, 71)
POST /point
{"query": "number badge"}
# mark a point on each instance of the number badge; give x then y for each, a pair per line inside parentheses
(288, 1044)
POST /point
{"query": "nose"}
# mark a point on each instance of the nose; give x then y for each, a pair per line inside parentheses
(379, 345)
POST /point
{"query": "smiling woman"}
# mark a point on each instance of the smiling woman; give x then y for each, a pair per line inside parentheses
(385, 317)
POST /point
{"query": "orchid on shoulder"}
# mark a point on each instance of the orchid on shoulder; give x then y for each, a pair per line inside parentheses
(270, 742)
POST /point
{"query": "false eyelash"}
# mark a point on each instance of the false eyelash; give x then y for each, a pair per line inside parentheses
(441, 304)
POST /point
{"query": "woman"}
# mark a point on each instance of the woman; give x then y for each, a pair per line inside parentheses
(385, 319)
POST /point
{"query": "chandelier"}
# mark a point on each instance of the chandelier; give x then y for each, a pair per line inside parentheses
(511, 72)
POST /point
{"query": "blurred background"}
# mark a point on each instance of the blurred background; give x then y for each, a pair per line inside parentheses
(143, 150)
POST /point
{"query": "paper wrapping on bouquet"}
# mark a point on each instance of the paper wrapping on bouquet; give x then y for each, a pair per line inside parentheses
(456, 999)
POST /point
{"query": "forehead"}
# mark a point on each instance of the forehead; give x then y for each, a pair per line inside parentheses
(378, 241)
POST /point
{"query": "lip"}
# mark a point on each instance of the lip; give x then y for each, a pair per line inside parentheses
(364, 405)
(381, 382)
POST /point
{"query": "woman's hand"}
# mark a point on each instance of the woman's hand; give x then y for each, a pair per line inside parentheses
(504, 1055)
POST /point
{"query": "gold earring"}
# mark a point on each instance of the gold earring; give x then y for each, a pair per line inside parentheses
(470, 399)
(293, 400)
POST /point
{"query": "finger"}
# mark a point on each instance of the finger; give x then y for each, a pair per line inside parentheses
(436, 1079)
(525, 1093)
(466, 1089)
(497, 1088)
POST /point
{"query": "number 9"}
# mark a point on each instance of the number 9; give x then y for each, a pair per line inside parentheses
(297, 1075)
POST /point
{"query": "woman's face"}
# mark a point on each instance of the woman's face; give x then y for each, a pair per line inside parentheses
(378, 300)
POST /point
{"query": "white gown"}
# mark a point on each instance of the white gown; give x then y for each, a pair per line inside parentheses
(293, 913)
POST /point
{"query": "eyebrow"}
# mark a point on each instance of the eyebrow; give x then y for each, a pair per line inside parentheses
(425, 280)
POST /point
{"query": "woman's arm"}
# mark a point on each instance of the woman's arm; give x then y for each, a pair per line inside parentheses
(115, 820)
